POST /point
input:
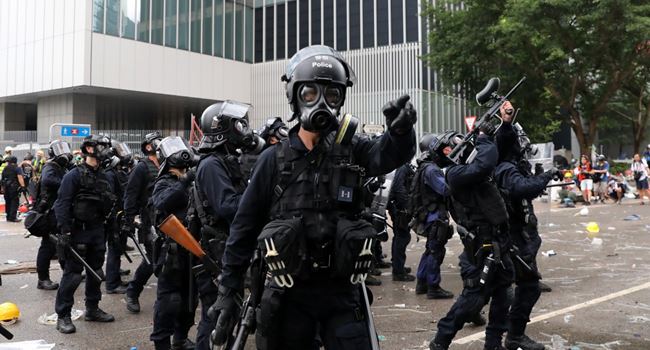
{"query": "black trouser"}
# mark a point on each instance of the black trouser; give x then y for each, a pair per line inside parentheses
(114, 261)
(46, 252)
(11, 202)
(173, 314)
(91, 246)
(474, 297)
(292, 318)
(144, 270)
(208, 294)
(401, 240)
(429, 267)
(527, 289)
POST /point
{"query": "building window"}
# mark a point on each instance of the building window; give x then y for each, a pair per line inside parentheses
(239, 31)
(280, 31)
(218, 28)
(259, 32)
(248, 29)
(397, 32)
(341, 25)
(113, 17)
(228, 34)
(170, 23)
(128, 18)
(315, 22)
(328, 22)
(143, 20)
(292, 19)
(207, 27)
(183, 24)
(382, 22)
(98, 16)
(411, 8)
(368, 23)
(195, 26)
(157, 22)
(268, 47)
(355, 24)
(303, 8)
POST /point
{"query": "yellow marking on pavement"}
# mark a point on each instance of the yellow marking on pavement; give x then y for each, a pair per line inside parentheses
(480, 335)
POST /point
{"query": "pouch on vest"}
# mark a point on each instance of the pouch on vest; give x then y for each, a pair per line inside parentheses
(284, 249)
(346, 186)
(213, 241)
(158, 254)
(353, 241)
(88, 208)
(36, 223)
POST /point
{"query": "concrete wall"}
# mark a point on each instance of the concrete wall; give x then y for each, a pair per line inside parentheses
(12, 116)
(43, 45)
(65, 108)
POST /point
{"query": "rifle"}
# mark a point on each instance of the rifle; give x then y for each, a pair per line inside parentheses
(5, 333)
(486, 96)
(81, 260)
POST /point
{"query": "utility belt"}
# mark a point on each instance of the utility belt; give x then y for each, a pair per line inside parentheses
(166, 256)
(438, 231)
(290, 255)
(480, 240)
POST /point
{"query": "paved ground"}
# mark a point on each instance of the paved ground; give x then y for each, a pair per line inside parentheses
(601, 297)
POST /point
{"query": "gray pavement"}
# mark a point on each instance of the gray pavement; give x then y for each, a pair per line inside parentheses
(601, 296)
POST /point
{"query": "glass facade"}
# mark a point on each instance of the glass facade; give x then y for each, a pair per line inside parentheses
(259, 30)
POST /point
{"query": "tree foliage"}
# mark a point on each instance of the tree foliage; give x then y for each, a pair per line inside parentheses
(577, 54)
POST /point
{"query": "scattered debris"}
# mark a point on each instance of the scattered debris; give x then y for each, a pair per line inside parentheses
(381, 338)
(400, 306)
(633, 217)
(583, 212)
(597, 241)
(611, 228)
(24, 286)
(27, 345)
(50, 320)
(549, 253)
(612, 255)
(568, 318)
(11, 262)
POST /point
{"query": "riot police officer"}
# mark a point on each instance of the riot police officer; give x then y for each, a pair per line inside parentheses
(136, 202)
(519, 187)
(273, 131)
(13, 184)
(46, 194)
(397, 208)
(307, 190)
(175, 300)
(482, 221)
(116, 169)
(84, 201)
(217, 190)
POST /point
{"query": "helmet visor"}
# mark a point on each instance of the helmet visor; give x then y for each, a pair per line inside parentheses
(122, 149)
(317, 50)
(235, 109)
(172, 144)
(60, 148)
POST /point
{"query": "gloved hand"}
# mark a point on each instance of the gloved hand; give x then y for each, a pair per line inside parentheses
(555, 173)
(188, 177)
(226, 311)
(539, 169)
(487, 128)
(127, 229)
(400, 115)
(62, 244)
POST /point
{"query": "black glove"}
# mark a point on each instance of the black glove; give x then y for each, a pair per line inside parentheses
(62, 245)
(226, 311)
(400, 115)
(188, 177)
(539, 169)
(554, 173)
(128, 229)
(487, 128)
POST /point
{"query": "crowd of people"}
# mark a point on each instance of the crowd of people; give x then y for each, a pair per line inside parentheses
(302, 200)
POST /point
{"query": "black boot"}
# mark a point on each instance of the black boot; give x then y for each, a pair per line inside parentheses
(98, 315)
(381, 264)
(522, 342)
(435, 292)
(545, 288)
(403, 277)
(47, 285)
(132, 304)
(120, 289)
(371, 281)
(125, 272)
(495, 347)
(436, 346)
(183, 345)
(421, 287)
(65, 325)
(478, 320)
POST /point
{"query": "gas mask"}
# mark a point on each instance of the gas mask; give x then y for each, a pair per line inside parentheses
(319, 105)
(103, 152)
(528, 150)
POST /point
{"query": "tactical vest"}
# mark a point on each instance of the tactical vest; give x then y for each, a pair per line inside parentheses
(10, 177)
(94, 201)
(408, 184)
(424, 200)
(479, 206)
(146, 213)
(45, 197)
(520, 210)
(320, 187)
(248, 162)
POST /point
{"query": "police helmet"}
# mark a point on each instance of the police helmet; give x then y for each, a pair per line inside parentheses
(175, 152)
(438, 144)
(153, 139)
(226, 122)
(425, 142)
(101, 145)
(274, 127)
(59, 151)
(316, 81)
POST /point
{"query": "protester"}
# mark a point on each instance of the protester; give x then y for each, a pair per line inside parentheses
(568, 193)
(640, 170)
(585, 177)
(646, 154)
(600, 178)
(616, 188)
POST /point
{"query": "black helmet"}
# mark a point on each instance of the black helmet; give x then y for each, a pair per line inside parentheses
(175, 152)
(101, 145)
(425, 142)
(274, 127)
(226, 122)
(438, 144)
(153, 139)
(316, 81)
(121, 154)
(59, 152)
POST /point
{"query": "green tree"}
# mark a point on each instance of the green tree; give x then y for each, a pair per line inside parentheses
(577, 54)
(632, 104)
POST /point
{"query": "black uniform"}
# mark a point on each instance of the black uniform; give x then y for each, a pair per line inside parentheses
(397, 208)
(116, 242)
(175, 300)
(84, 200)
(136, 202)
(519, 187)
(322, 298)
(478, 206)
(46, 196)
(11, 189)
(219, 186)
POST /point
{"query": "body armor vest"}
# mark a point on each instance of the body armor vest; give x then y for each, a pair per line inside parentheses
(146, 213)
(424, 199)
(10, 177)
(480, 205)
(95, 200)
(45, 197)
(520, 210)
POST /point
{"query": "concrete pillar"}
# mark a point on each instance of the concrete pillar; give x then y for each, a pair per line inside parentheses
(13, 116)
(65, 108)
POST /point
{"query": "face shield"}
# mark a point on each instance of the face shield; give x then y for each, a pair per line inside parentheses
(175, 153)
(60, 148)
(122, 150)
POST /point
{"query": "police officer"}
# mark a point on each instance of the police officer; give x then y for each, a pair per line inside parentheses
(218, 188)
(136, 202)
(46, 194)
(308, 188)
(519, 187)
(397, 208)
(175, 300)
(273, 131)
(84, 201)
(13, 184)
(482, 220)
(116, 169)
(428, 206)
